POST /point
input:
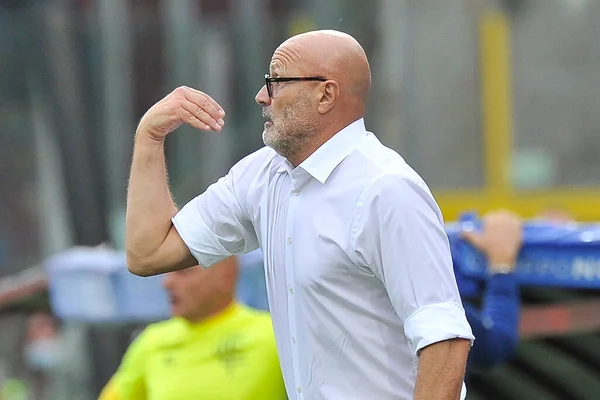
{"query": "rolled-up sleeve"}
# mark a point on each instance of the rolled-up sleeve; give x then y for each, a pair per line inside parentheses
(399, 235)
(216, 224)
(435, 323)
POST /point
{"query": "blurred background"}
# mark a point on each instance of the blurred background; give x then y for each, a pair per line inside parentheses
(496, 103)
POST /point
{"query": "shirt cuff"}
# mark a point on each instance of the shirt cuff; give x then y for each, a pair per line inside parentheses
(197, 236)
(435, 323)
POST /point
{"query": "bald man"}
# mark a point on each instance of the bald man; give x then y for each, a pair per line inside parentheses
(358, 269)
(212, 348)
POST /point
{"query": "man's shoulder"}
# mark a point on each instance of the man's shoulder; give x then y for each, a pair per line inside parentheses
(256, 321)
(383, 167)
(382, 159)
(253, 316)
(387, 175)
(156, 332)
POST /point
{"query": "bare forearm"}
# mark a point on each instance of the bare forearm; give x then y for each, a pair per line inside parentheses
(150, 205)
(442, 370)
(153, 244)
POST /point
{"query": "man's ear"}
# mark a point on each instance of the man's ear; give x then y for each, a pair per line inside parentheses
(328, 96)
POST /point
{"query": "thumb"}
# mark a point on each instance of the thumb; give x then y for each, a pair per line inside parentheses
(474, 238)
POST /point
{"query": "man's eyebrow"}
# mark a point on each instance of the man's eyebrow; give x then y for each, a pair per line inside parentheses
(273, 68)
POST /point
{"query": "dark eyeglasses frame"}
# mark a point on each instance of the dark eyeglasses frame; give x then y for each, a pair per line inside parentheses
(269, 80)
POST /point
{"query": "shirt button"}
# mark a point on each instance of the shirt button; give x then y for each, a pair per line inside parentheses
(291, 289)
(299, 389)
(295, 192)
(294, 339)
(289, 240)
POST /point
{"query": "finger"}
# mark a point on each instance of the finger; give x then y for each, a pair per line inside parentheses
(201, 106)
(206, 102)
(202, 116)
(194, 122)
(213, 101)
(474, 238)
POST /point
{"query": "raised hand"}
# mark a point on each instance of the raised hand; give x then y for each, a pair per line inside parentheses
(501, 238)
(182, 105)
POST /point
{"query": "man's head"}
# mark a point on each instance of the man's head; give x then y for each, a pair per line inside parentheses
(303, 114)
(196, 293)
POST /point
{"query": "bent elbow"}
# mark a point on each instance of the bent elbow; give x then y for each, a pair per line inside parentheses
(139, 271)
(139, 267)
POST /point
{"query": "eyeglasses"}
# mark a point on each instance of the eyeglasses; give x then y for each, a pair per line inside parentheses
(269, 81)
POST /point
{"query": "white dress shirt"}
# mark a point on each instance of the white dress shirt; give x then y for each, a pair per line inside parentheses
(358, 267)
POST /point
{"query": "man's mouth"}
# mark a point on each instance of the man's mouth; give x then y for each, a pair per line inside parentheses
(267, 116)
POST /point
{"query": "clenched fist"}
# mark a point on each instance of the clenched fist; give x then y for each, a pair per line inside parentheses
(183, 105)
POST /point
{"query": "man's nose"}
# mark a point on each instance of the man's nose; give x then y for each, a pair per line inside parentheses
(262, 97)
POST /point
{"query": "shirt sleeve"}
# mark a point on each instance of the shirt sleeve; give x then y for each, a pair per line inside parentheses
(216, 224)
(399, 235)
(129, 382)
(496, 325)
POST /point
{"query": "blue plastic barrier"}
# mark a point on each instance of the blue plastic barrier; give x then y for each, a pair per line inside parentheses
(560, 255)
(94, 285)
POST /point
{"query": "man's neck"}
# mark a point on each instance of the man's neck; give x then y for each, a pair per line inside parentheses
(211, 312)
(307, 150)
(324, 135)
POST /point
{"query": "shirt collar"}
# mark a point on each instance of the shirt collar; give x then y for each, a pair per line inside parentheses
(326, 158)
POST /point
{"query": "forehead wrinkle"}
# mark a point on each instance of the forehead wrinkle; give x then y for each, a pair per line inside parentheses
(284, 57)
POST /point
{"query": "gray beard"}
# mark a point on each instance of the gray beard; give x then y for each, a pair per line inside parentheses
(290, 144)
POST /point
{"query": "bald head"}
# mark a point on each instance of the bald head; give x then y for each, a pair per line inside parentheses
(302, 114)
(196, 292)
(332, 54)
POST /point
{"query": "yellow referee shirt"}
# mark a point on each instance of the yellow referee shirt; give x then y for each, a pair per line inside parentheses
(231, 356)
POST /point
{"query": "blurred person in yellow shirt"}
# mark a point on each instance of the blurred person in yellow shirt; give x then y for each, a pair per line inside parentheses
(212, 348)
